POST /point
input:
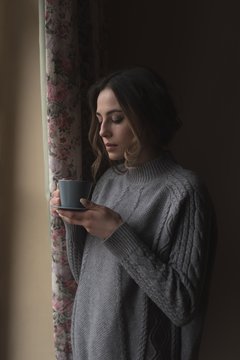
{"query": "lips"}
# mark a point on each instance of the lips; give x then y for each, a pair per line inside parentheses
(110, 145)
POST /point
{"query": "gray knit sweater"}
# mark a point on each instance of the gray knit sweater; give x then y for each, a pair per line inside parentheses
(142, 292)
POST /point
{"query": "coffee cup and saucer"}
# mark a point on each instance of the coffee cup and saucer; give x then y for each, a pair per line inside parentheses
(71, 191)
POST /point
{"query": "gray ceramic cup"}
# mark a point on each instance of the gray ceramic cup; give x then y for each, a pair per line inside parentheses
(71, 191)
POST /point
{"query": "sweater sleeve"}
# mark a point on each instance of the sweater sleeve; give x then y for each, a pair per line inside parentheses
(176, 285)
(75, 239)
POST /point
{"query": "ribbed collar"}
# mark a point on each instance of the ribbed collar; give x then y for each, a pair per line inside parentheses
(152, 169)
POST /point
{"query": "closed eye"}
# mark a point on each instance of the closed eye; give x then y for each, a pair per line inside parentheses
(114, 115)
(117, 119)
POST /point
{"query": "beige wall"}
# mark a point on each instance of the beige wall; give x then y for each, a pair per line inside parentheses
(195, 46)
(26, 319)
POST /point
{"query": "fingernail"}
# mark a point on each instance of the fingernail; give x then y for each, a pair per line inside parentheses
(84, 201)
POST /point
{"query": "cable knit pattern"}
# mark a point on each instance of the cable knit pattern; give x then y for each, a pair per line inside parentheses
(141, 291)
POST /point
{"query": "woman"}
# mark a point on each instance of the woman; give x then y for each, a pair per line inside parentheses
(143, 252)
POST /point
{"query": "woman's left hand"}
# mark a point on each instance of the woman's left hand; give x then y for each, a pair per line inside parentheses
(98, 220)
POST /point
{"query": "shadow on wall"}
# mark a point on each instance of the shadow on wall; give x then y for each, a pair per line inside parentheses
(195, 47)
(10, 43)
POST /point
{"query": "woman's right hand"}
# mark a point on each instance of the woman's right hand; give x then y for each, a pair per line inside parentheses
(55, 202)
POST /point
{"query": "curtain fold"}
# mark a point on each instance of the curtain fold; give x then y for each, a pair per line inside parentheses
(72, 57)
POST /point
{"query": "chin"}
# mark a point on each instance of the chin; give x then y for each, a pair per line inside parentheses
(114, 157)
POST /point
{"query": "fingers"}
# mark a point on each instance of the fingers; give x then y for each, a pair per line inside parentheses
(89, 204)
(55, 201)
(56, 193)
(72, 217)
(98, 220)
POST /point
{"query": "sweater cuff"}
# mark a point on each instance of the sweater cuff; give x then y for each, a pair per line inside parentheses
(122, 242)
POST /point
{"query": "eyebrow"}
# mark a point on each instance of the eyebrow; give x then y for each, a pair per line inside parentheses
(110, 112)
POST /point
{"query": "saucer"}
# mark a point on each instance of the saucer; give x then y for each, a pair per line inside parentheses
(70, 208)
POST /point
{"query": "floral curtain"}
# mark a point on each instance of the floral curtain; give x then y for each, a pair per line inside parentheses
(72, 57)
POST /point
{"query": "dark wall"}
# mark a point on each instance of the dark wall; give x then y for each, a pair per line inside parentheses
(194, 45)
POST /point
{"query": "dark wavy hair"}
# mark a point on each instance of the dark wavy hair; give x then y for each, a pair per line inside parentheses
(145, 101)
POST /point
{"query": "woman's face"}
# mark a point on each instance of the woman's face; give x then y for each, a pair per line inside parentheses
(114, 130)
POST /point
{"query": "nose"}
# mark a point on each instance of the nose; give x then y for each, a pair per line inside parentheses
(105, 130)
